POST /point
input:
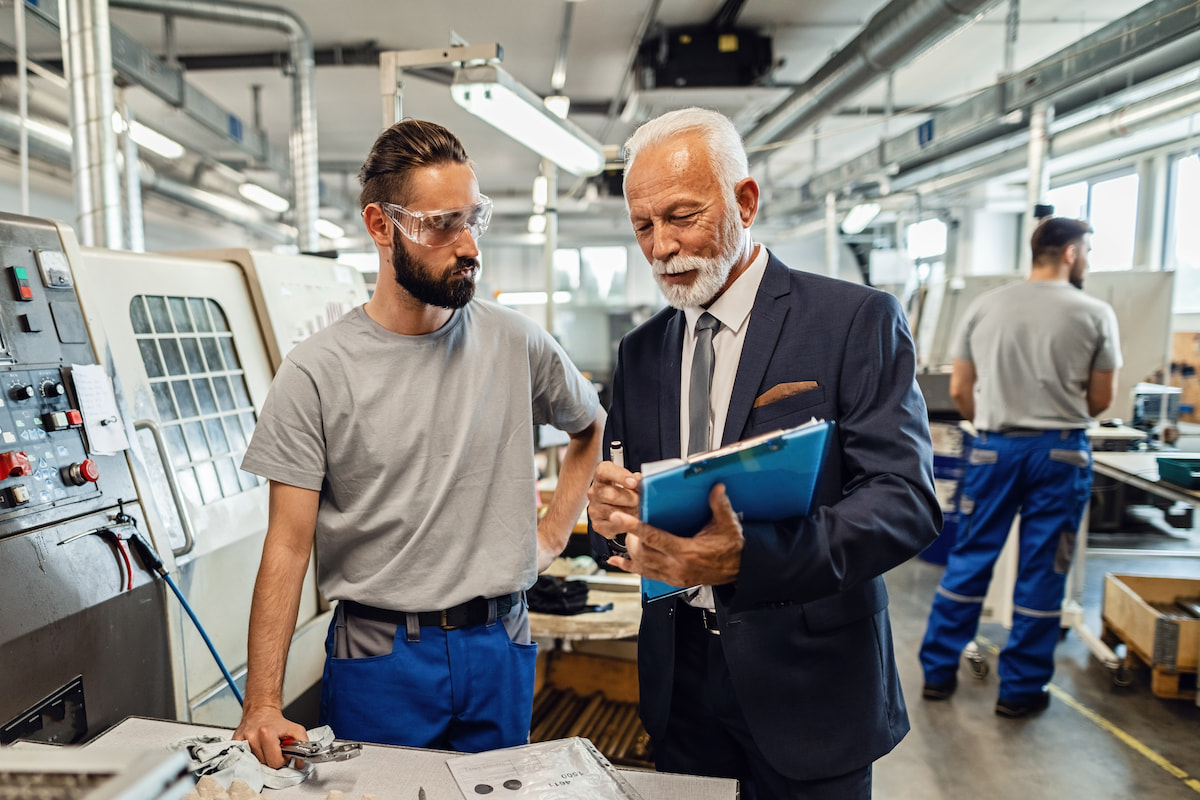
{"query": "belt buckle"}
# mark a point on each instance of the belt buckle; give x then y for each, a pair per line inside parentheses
(445, 624)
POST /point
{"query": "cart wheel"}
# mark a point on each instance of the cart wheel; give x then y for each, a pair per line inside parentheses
(1122, 676)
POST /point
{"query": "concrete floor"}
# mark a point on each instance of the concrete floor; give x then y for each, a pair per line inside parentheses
(1094, 741)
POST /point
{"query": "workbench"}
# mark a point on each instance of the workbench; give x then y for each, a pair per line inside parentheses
(392, 772)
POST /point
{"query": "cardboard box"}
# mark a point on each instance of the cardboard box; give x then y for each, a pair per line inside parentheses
(1167, 644)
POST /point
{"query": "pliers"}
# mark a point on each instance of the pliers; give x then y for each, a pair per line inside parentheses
(316, 752)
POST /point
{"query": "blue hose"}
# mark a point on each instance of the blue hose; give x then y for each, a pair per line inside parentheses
(203, 635)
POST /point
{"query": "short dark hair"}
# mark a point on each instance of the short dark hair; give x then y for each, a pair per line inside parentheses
(406, 146)
(1056, 234)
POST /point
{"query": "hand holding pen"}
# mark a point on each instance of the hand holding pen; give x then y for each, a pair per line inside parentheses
(614, 489)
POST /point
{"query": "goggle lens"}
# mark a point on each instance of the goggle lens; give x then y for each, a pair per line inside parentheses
(441, 228)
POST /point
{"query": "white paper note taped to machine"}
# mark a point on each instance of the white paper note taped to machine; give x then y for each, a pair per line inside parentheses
(98, 405)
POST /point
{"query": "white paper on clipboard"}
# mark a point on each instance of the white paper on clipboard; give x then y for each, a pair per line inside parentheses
(98, 404)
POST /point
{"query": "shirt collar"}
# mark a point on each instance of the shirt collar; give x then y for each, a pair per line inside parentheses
(732, 308)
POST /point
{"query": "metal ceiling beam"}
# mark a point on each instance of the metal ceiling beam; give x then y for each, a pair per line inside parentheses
(899, 32)
(302, 139)
(1156, 39)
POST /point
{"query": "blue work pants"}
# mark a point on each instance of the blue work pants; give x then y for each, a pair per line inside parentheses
(465, 689)
(1046, 477)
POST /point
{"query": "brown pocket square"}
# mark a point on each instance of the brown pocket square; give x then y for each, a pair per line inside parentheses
(783, 390)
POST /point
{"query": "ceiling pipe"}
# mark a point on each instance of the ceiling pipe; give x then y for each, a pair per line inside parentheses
(50, 143)
(898, 33)
(88, 69)
(302, 140)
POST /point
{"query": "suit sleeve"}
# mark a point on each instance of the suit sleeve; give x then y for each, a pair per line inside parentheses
(614, 431)
(886, 510)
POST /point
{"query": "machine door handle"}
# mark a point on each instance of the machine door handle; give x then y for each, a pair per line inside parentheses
(185, 520)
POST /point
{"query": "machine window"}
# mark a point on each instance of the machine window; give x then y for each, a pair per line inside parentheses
(199, 392)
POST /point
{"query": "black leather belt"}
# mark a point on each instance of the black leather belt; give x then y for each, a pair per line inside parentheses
(707, 619)
(464, 615)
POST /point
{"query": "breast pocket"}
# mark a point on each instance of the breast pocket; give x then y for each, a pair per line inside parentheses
(788, 411)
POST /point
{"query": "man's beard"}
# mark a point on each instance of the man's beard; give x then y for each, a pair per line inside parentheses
(711, 273)
(414, 278)
(1076, 281)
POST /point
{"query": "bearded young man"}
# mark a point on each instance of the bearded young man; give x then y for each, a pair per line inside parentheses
(400, 439)
(779, 670)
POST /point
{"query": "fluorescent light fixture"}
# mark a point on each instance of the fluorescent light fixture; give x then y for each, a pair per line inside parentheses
(541, 193)
(530, 298)
(147, 138)
(537, 224)
(329, 230)
(263, 197)
(860, 217)
(497, 98)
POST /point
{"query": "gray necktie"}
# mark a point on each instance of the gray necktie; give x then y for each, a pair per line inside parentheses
(701, 381)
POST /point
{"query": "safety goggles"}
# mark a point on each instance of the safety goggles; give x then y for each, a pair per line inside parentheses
(441, 228)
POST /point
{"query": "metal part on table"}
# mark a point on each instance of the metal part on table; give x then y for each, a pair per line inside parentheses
(317, 752)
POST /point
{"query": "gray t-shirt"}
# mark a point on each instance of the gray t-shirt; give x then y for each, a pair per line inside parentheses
(422, 449)
(1034, 345)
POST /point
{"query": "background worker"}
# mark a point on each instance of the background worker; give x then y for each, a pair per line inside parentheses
(1034, 362)
(780, 671)
(401, 437)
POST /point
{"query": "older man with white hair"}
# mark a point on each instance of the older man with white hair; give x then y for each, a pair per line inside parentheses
(779, 670)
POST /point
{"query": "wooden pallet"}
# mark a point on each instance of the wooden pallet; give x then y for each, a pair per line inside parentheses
(1165, 682)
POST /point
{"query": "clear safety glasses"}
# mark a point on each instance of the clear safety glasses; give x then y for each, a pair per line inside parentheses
(441, 228)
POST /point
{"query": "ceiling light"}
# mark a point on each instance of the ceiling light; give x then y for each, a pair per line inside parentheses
(860, 217)
(147, 138)
(263, 197)
(530, 298)
(537, 224)
(329, 230)
(559, 105)
(496, 97)
(541, 193)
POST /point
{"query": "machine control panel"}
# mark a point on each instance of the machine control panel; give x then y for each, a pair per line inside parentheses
(46, 468)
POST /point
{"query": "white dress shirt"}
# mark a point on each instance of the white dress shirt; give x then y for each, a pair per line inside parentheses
(732, 310)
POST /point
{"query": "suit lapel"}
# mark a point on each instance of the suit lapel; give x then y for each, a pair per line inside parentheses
(766, 323)
(670, 376)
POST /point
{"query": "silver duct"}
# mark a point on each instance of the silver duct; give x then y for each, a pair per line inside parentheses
(87, 64)
(1008, 155)
(52, 145)
(302, 141)
(896, 34)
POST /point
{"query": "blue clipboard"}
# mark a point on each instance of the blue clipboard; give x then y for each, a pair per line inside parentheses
(767, 478)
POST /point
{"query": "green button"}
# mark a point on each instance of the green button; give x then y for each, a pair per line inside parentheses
(20, 273)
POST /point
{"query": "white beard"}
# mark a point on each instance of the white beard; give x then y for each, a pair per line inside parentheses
(711, 273)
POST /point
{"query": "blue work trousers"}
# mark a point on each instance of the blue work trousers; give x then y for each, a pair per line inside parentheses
(465, 689)
(1046, 477)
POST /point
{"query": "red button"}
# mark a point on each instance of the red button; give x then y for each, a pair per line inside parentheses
(89, 470)
(14, 464)
(74, 417)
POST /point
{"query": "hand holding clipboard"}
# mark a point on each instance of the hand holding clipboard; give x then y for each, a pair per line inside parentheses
(766, 478)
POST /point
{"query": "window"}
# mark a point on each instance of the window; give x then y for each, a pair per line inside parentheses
(1183, 235)
(1111, 205)
(199, 390)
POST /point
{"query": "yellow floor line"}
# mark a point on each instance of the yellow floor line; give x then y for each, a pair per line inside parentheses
(1144, 750)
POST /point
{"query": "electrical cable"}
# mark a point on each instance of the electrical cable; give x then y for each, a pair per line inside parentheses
(154, 563)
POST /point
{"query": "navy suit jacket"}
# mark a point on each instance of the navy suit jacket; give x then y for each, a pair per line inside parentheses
(804, 626)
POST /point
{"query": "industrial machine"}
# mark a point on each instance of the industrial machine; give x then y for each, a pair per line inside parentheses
(83, 638)
(191, 342)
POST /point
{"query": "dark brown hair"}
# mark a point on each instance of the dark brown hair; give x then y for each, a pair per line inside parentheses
(1056, 234)
(406, 146)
